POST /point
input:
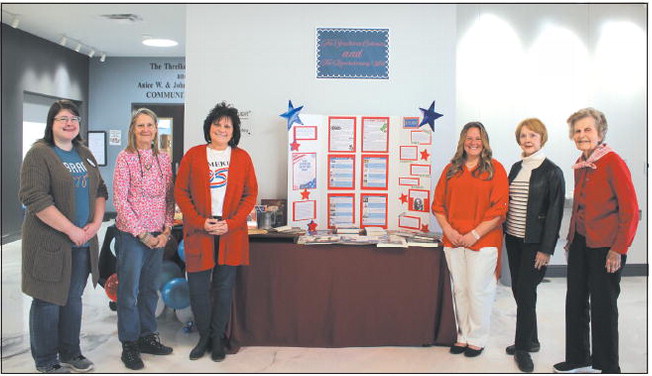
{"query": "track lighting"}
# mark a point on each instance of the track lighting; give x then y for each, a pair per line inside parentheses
(91, 53)
(63, 40)
(15, 22)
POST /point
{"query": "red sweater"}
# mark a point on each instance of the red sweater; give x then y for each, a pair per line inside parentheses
(466, 201)
(610, 204)
(192, 194)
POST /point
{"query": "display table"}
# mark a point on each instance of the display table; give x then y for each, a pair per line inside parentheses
(341, 296)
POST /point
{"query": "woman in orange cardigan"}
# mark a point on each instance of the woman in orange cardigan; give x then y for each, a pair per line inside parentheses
(216, 189)
(470, 205)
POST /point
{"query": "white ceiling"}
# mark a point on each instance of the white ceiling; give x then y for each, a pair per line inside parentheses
(84, 23)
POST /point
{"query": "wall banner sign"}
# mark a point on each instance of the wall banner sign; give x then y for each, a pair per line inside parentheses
(353, 53)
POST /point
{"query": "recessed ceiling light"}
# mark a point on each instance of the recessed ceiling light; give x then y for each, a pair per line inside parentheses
(153, 42)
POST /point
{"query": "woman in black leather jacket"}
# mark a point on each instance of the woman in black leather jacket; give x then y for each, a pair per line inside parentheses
(536, 202)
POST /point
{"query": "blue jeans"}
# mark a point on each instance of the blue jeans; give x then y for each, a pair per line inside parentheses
(53, 329)
(211, 293)
(137, 267)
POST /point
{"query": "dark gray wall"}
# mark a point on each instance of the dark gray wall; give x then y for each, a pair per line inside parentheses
(116, 84)
(34, 65)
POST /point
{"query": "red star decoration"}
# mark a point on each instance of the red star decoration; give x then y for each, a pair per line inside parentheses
(424, 228)
(425, 154)
(312, 226)
(305, 195)
(403, 198)
(294, 146)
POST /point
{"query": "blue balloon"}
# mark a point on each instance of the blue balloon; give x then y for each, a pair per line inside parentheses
(169, 271)
(176, 293)
(181, 251)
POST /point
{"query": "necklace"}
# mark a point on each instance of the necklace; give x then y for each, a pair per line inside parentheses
(148, 164)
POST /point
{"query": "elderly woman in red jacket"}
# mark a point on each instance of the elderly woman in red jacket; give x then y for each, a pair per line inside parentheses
(216, 189)
(602, 228)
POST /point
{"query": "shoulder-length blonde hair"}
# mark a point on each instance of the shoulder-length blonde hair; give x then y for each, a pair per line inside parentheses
(131, 145)
(484, 165)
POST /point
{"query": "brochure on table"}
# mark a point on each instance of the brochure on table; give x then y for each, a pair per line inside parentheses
(359, 170)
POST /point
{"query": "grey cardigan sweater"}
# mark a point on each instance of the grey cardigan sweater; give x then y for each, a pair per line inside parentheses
(47, 258)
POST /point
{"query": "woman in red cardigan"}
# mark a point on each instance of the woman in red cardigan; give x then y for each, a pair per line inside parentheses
(602, 228)
(216, 189)
(470, 204)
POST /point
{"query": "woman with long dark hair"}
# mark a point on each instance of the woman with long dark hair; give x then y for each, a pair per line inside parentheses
(63, 191)
(216, 189)
(470, 204)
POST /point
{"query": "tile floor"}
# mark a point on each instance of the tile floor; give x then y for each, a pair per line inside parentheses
(100, 339)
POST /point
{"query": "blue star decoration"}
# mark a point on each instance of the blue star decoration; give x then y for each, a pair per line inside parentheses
(429, 116)
(292, 115)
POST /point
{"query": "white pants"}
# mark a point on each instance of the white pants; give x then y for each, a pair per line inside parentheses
(473, 276)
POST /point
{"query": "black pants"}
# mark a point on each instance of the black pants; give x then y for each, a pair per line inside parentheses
(211, 294)
(525, 279)
(588, 280)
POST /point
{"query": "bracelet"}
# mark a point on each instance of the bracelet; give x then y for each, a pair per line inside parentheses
(144, 237)
(475, 234)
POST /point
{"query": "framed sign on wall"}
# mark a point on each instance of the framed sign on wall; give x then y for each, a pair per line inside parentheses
(97, 145)
(352, 53)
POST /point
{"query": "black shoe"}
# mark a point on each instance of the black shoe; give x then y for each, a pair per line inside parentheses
(151, 344)
(131, 356)
(471, 353)
(218, 354)
(524, 361)
(565, 367)
(203, 345)
(534, 347)
(457, 349)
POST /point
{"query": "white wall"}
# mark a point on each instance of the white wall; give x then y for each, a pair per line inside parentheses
(259, 56)
(495, 63)
(547, 61)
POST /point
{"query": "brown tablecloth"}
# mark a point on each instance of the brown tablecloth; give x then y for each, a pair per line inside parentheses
(341, 296)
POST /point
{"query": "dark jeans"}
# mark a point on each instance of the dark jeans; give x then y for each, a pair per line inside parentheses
(588, 279)
(211, 294)
(138, 267)
(525, 279)
(53, 329)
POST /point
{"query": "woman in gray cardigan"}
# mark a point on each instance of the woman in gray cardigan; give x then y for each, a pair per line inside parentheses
(64, 194)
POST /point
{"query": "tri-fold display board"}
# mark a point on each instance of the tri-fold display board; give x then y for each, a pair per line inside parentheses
(358, 170)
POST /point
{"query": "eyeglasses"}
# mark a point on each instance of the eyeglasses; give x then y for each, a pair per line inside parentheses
(65, 119)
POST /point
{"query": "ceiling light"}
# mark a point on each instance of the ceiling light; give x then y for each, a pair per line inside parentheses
(63, 40)
(123, 17)
(15, 22)
(91, 53)
(102, 58)
(153, 42)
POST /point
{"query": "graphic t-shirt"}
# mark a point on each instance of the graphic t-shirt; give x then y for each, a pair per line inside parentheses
(73, 162)
(218, 166)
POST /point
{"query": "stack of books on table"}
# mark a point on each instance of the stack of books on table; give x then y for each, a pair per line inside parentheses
(347, 229)
(392, 241)
(357, 240)
(424, 239)
(318, 239)
(289, 230)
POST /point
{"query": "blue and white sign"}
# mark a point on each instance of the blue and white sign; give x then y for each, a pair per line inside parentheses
(353, 53)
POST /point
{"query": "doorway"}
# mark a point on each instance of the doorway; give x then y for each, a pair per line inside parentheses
(170, 128)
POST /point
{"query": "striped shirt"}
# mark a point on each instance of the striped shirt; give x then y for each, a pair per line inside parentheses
(519, 191)
(518, 194)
